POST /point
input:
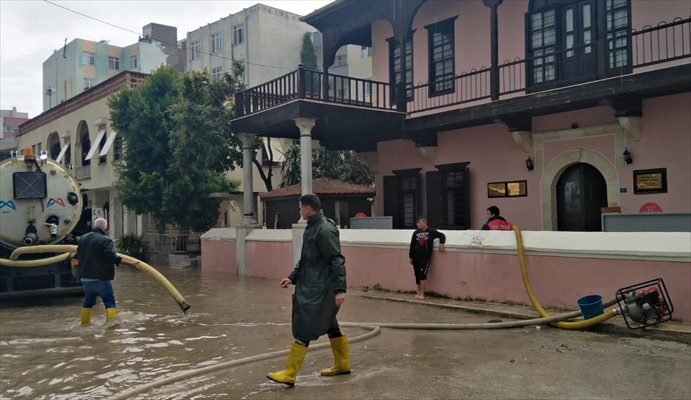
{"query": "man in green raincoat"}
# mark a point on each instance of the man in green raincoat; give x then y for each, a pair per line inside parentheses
(320, 287)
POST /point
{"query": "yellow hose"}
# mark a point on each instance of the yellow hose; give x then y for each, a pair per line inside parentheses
(34, 263)
(68, 249)
(529, 289)
(152, 272)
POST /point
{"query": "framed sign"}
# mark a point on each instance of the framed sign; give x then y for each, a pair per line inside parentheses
(507, 189)
(650, 181)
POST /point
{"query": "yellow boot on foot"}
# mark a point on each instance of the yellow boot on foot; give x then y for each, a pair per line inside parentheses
(293, 364)
(86, 316)
(111, 313)
(339, 348)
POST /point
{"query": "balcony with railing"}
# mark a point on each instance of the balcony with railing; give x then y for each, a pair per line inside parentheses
(662, 46)
(82, 173)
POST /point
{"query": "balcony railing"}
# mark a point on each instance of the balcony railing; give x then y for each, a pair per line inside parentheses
(82, 173)
(307, 84)
(664, 43)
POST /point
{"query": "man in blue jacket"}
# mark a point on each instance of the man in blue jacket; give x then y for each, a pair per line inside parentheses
(320, 289)
(96, 269)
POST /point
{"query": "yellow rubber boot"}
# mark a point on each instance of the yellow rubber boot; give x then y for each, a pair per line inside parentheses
(86, 316)
(293, 364)
(111, 313)
(339, 348)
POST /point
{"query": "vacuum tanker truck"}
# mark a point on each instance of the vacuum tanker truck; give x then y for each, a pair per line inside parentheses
(40, 204)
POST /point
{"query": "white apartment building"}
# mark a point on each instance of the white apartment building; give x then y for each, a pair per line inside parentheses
(268, 42)
(81, 64)
(265, 39)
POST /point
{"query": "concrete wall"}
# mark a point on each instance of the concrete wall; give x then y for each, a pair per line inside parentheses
(483, 265)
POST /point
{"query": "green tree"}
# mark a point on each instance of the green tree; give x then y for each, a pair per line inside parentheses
(307, 55)
(290, 170)
(203, 148)
(308, 58)
(342, 165)
(142, 118)
(178, 145)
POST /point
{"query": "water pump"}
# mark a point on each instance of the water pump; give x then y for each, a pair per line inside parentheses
(646, 304)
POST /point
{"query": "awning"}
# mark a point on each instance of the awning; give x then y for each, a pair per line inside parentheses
(109, 142)
(62, 153)
(94, 145)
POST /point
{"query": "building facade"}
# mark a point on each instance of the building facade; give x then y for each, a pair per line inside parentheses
(267, 41)
(551, 110)
(82, 64)
(77, 134)
(264, 39)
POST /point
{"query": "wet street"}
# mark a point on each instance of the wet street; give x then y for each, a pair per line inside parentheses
(222, 350)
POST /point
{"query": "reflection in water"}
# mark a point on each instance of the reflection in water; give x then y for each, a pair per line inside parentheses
(46, 354)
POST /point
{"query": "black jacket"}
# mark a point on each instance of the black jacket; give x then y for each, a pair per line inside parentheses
(422, 242)
(97, 257)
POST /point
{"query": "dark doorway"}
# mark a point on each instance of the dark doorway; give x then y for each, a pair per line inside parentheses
(581, 191)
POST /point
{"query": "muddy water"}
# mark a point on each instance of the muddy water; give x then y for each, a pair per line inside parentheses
(46, 354)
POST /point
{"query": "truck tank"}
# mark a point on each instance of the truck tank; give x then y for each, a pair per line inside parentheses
(40, 203)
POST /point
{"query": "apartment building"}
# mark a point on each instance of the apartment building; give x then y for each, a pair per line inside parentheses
(554, 111)
(82, 64)
(267, 41)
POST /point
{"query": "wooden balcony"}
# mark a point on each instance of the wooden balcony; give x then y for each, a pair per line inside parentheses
(654, 64)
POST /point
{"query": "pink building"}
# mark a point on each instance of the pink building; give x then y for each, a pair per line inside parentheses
(551, 110)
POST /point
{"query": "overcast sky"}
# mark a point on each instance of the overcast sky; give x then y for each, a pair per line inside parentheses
(30, 30)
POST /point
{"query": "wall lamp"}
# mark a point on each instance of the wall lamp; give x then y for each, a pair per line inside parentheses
(627, 157)
(529, 164)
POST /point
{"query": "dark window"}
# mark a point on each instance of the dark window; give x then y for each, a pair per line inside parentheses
(86, 146)
(402, 197)
(239, 33)
(562, 37)
(117, 148)
(441, 56)
(102, 159)
(543, 46)
(409, 195)
(618, 29)
(395, 67)
(448, 196)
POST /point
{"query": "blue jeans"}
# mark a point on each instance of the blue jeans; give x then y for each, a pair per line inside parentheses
(93, 289)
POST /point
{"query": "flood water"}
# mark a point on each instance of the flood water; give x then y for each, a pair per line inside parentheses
(46, 354)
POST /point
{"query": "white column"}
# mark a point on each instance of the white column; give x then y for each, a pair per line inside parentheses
(305, 125)
(248, 216)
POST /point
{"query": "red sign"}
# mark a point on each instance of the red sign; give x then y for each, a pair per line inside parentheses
(650, 207)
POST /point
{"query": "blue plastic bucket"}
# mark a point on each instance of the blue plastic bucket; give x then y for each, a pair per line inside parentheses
(591, 306)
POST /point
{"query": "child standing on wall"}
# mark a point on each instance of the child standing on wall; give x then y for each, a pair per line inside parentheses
(420, 253)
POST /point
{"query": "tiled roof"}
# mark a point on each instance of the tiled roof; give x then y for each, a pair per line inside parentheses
(321, 186)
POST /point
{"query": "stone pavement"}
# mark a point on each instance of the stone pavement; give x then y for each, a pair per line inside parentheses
(671, 330)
